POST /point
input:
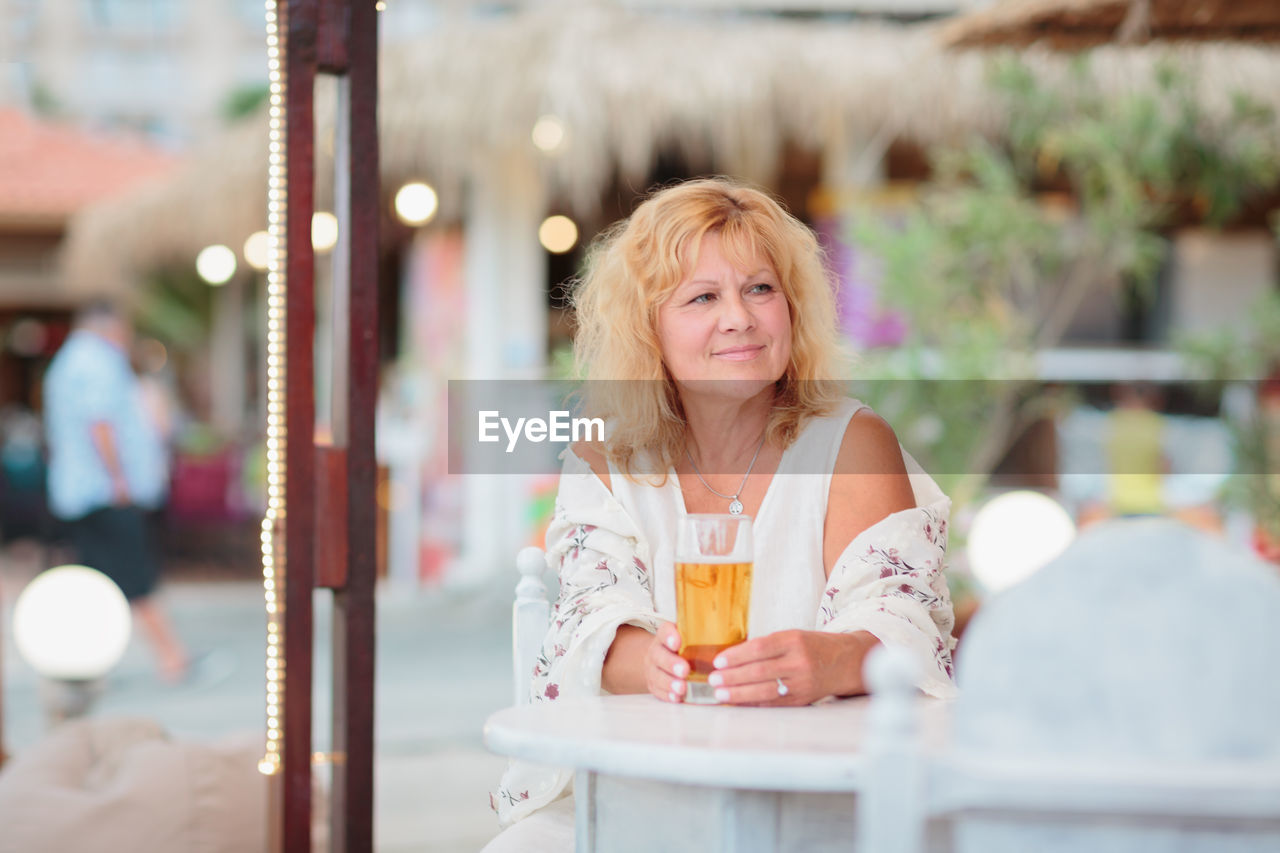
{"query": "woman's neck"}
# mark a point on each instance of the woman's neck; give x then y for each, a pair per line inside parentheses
(723, 433)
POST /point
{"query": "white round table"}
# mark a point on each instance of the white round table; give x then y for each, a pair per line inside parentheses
(656, 776)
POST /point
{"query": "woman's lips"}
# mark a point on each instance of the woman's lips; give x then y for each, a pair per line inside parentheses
(739, 353)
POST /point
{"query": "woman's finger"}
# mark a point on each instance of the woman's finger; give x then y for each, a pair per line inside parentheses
(672, 665)
(751, 673)
(666, 669)
(664, 653)
(762, 693)
(664, 685)
(669, 636)
(763, 648)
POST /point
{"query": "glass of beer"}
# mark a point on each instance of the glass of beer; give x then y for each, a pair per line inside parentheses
(713, 592)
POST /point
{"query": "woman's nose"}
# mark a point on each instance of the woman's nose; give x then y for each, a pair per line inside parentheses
(735, 316)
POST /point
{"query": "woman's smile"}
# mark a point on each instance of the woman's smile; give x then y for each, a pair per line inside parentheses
(743, 353)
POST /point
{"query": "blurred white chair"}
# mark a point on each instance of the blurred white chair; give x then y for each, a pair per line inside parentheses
(1125, 698)
(529, 619)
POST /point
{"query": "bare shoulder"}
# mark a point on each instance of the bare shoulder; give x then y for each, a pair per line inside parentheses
(869, 483)
(592, 452)
(870, 447)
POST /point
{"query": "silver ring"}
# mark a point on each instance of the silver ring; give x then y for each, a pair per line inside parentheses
(783, 690)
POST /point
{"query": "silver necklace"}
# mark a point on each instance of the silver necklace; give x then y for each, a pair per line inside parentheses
(735, 505)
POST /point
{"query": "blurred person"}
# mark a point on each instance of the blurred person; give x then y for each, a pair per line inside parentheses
(23, 505)
(1135, 451)
(712, 304)
(159, 401)
(1133, 446)
(107, 468)
(150, 359)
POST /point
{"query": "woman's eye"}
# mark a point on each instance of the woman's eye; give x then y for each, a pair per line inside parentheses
(762, 288)
(702, 299)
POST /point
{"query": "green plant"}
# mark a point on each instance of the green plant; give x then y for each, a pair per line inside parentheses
(1245, 355)
(175, 306)
(244, 101)
(1006, 240)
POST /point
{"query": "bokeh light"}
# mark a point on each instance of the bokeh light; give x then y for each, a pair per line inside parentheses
(324, 231)
(558, 234)
(416, 203)
(257, 250)
(216, 264)
(548, 134)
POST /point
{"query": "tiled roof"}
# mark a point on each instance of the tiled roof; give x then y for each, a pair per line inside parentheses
(49, 171)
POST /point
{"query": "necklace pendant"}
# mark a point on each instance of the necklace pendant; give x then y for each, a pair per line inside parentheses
(735, 507)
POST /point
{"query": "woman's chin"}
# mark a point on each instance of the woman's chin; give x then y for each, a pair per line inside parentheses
(729, 388)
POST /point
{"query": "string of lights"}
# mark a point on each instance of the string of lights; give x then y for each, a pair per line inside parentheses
(272, 580)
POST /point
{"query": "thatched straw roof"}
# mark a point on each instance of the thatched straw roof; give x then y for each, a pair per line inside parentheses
(727, 90)
(1075, 24)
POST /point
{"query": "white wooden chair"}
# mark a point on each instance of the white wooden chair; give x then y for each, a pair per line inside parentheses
(529, 619)
(1153, 726)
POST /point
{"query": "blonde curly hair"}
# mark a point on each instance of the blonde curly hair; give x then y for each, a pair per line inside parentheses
(635, 266)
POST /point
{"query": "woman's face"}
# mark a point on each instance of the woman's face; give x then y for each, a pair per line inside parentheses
(728, 324)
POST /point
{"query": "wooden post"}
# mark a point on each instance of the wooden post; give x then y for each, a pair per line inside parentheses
(330, 516)
(299, 59)
(357, 202)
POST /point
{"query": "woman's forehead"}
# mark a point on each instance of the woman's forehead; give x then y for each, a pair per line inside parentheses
(741, 248)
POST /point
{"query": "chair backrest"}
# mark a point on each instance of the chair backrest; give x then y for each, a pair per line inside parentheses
(1123, 698)
(529, 619)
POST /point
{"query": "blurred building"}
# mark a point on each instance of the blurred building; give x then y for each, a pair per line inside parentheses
(519, 111)
(48, 172)
(166, 67)
(174, 69)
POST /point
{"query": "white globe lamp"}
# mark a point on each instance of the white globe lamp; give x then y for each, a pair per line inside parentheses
(71, 623)
(1015, 534)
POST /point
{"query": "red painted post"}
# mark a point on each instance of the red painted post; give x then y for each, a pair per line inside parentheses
(339, 477)
(299, 53)
(354, 610)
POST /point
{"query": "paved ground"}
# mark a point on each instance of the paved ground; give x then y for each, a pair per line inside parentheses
(443, 666)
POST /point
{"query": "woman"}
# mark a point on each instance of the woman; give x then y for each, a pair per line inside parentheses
(714, 303)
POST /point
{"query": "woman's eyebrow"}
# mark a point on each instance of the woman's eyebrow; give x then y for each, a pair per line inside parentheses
(713, 282)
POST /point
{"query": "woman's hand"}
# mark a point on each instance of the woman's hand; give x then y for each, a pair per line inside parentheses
(811, 664)
(665, 670)
(641, 662)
